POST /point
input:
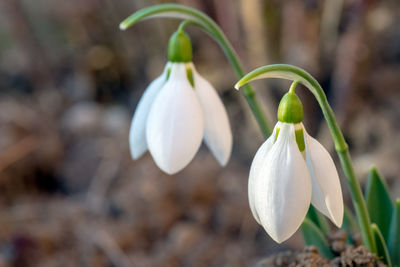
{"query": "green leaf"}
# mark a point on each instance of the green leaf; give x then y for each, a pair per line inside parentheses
(383, 253)
(394, 235)
(349, 224)
(379, 202)
(314, 237)
(318, 219)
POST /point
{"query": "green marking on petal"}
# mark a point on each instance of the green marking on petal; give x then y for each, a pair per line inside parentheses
(277, 132)
(189, 74)
(300, 139)
(168, 74)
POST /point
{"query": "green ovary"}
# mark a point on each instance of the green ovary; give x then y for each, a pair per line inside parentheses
(179, 47)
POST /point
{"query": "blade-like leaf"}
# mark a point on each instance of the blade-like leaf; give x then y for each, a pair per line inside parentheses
(383, 253)
(349, 224)
(378, 200)
(318, 219)
(394, 235)
(314, 237)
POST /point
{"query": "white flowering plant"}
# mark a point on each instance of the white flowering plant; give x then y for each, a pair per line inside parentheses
(290, 171)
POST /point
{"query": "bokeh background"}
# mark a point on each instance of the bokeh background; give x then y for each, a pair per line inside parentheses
(70, 195)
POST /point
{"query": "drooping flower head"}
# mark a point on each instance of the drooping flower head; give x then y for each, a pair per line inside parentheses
(290, 171)
(177, 111)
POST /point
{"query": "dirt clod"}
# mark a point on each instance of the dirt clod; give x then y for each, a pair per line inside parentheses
(356, 256)
(309, 257)
(338, 241)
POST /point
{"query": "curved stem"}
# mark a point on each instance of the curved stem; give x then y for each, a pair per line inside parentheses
(293, 87)
(185, 23)
(294, 73)
(208, 25)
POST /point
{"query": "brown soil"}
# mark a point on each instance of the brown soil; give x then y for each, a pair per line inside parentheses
(347, 256)
(309, 256)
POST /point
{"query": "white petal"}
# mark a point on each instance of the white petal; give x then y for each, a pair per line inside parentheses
(283, 188)
(137, 133)
(326, 191)
(175, 124)
(217, 131)
(256, 166)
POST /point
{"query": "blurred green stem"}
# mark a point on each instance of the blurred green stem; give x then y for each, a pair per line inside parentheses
(290, 72)
(198, 18)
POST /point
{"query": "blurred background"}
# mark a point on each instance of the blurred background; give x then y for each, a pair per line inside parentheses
(70, 80)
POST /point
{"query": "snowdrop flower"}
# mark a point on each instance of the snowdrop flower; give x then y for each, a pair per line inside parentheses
(290, 171)
(177, 111)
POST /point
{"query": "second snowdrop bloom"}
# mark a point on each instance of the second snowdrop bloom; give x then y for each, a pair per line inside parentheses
(290, 171)
(177, 111)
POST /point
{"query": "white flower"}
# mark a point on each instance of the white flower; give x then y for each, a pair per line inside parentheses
(173, 117)
(284, 181)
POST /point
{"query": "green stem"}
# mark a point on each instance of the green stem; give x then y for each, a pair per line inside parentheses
(294, 73)
(184, 24)
(203, 21)
(293, 87)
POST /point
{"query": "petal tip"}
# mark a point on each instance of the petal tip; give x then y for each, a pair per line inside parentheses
(336, 215)
(223, 158)
(223, 162)
(169, 170)
(338, 221)
(278, 239)
(136, 153)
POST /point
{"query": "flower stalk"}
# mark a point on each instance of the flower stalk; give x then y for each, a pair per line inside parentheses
(204, 22)
(290, 72)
